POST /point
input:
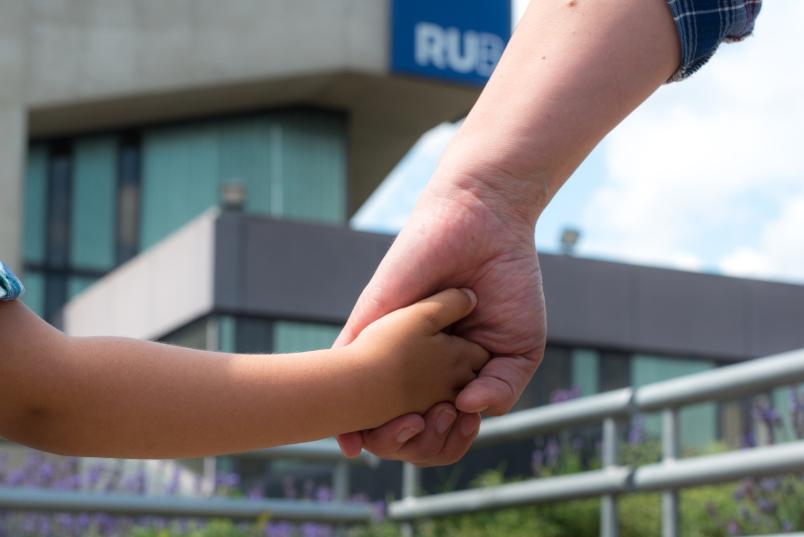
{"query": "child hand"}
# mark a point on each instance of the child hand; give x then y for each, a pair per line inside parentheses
(411, 364)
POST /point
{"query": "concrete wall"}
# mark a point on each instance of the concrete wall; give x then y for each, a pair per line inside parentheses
(71, 66)
(13, 51)
(157, 292)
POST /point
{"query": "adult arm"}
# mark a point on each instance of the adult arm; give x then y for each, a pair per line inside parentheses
(572, 71)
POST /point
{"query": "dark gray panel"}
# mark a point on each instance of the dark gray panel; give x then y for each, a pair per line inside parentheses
(291, 270)
(777, 317)
(677, 310)
(295, 270)
(588, 302)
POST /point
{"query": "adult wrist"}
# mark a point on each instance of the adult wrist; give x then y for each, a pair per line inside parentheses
(491, 185)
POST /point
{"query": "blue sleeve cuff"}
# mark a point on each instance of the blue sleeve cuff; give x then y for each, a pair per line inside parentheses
(10, 285)
(703, 25)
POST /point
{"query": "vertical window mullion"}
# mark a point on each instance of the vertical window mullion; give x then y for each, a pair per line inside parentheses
(57, 253)
(129, 184)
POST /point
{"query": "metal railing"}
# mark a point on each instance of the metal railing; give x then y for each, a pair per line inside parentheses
(613, 480)
(340, 511)
(668, 476)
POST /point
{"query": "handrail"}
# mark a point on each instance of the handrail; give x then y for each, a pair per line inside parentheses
(547, 418)
(31, 499)
(321, 450)
(703, 470)
(668, 476)
(724, 382)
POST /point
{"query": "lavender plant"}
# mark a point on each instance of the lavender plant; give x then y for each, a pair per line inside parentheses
(65, 473)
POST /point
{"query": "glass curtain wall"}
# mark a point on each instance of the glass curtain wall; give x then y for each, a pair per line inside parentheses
(93, 202)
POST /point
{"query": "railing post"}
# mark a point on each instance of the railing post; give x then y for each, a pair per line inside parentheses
(340, 481)
(340, 489)
(670, 444)
(609, 526)
(410, 487)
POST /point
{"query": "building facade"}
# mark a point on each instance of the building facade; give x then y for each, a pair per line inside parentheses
(121, 119)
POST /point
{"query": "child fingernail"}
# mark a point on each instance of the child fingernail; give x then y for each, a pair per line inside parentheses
(445, 421)
(405, 435)
(468, 427)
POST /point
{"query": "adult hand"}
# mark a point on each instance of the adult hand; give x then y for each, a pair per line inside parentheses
(454, 239)
(570, 73)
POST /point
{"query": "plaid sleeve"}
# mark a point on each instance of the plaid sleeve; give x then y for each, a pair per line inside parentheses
(10, 286)
(703, 24)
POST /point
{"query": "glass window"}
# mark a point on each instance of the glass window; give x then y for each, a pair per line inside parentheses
(698, 422)
(313, 168)
(128, 198)
(179, 178)
(77, 284)
(58, 213)
(194, 335)
(55, 296)
(585, 371)
(614, 371)
(292, 165)
(298, 337)
(34, 233)
(92, 234)
(254, 336)
(553, 374)
(34, 296)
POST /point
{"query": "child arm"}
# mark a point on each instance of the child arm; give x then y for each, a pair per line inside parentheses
(130, 398)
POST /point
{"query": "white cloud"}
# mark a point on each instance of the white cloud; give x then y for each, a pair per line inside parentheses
(780, 252)
(696, 176)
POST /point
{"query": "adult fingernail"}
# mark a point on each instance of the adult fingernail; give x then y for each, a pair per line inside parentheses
(445, 421)
(471, 294)
(468, 427)
(406, 434)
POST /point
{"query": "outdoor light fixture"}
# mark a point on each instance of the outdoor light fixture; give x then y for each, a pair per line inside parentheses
(233, 195)
(569, 240)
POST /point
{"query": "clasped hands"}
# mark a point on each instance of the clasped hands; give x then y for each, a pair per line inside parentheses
(458, 243)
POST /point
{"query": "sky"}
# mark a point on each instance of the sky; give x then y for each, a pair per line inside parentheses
(707, 175)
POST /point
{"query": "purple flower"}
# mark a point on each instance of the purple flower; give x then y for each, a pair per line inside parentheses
(82, 522)
(766, 506)
(380, 509)
(114, 477)
(315, 530)
(278, 529)
(636, 433)
(138, 482)
(537, 461)
(769, 485)
(733, 528)
(324, 494)
(226, 482)
(552, 451)
(309, 486)
(17, 477)
(255, 493)
(94, 475)
(289, 488)
(561, 396)
(175, 480)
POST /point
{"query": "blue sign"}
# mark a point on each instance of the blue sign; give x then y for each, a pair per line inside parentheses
(460, 40)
